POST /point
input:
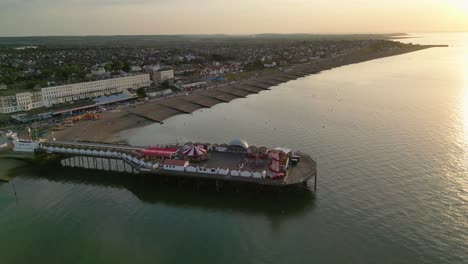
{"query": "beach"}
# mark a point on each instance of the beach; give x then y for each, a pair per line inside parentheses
(109, 127)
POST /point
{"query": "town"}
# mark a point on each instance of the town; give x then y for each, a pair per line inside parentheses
(38, 79)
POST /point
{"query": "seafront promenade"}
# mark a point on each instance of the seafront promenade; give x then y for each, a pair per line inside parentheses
(118, 120)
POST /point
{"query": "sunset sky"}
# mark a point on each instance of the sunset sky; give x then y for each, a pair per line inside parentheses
(111, 17)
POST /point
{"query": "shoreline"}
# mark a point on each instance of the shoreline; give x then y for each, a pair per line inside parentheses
(114, 124)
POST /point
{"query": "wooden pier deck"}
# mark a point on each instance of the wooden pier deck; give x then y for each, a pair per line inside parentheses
(125, 158)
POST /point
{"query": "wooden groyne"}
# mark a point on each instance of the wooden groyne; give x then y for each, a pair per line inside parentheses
(204, 99)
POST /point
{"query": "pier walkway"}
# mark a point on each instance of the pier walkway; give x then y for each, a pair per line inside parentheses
(128, 159)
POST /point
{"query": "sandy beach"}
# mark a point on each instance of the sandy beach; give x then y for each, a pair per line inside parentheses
(113, 122)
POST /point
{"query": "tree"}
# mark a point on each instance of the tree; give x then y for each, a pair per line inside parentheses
(166, 84)
(30, 85)
(126, 67)
(118, 65)
(141, 92)
(46, 73)
(108, 67)
(67, 71)
(216, 57)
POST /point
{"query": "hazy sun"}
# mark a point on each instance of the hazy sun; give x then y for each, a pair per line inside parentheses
(463, 4)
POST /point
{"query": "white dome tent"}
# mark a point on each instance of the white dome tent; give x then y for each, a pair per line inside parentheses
(239, 143)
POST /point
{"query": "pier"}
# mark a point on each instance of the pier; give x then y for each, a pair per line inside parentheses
(128, 159)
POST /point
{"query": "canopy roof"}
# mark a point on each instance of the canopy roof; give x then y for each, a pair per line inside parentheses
(159, 152)
(239, 143)
(194, 151)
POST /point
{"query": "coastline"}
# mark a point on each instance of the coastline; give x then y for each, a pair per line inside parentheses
(114, 124)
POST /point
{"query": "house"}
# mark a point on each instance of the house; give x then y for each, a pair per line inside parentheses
(159, 93)
(135, 68)
(207, 170)
(191, 169)
(224, 171)
(175, 165)
(98, 71)
(246, 174)
(269, 65)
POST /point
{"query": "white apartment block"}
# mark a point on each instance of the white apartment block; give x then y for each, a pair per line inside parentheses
(20, 102)
(8, 104)
(163, 75)
(78, 91)
(71, 92)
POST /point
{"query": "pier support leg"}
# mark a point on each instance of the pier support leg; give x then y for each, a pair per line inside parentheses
(217, 186)
(315, 181)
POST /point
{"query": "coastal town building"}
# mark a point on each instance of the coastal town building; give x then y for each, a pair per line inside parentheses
(77, 91)
(164, 92)
(98, 71)
(135, 68)
(175, 165)
(190, 86)
(8, 104)
(219, 70)
(20, 102)
(162, 75)
(269, 65)
(50, 96)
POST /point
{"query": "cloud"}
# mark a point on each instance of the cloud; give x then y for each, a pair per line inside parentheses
(82, 17)
(26, 5)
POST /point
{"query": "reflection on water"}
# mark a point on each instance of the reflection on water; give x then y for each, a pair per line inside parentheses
(275, 204)
(6, 166)
(464, 117)
(464, 106)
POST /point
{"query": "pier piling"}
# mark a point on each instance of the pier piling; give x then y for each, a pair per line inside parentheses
(315, 181)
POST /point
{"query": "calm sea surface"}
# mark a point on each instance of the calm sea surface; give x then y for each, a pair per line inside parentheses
(391, 140)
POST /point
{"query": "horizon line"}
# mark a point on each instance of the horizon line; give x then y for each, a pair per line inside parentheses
(237, 35)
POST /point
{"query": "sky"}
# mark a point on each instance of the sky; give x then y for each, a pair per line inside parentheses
(154, 17)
